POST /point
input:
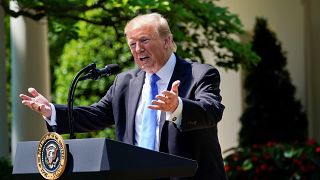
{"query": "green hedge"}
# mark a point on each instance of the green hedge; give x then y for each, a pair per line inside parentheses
(5, 169)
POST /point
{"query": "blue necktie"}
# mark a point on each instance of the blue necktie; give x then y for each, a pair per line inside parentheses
(149, 119)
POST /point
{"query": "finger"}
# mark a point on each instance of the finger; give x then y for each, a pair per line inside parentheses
(159, 105)
(158, 102)
(33, 105)
(33, 92)
(26, 102)
(24, 97)
(169, 94)
(42, 108)
(160, 108)
(154, 107)
(36, 107)
(162, 98)
(175, 86)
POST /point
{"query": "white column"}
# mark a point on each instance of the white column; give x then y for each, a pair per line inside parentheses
(30, 68)
(312, 34)
(4, 138)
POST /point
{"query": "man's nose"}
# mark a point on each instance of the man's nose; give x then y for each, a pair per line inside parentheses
(139, 47)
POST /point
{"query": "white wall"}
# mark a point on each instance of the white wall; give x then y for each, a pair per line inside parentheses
(286, 19)
(230, 86)
(312, 34)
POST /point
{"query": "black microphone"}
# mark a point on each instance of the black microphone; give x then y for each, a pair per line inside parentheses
(96, 74)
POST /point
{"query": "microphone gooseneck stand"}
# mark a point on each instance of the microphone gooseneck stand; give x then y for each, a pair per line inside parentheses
(72, 88)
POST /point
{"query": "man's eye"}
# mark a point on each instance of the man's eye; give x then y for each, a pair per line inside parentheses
(144, 40)
(132, 45)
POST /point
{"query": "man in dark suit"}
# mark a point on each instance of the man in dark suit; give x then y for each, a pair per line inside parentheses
(187, 107)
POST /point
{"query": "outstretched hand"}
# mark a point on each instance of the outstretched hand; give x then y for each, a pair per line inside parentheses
(37, 102)
(168, 100)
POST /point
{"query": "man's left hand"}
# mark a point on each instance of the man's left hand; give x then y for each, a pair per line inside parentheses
(168, 100)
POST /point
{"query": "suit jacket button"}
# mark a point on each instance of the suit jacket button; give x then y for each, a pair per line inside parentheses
(174, 119)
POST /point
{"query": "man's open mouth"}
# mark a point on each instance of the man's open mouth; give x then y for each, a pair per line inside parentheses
(143, 58)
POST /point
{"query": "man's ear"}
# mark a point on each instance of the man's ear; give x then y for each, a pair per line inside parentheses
(167, 42)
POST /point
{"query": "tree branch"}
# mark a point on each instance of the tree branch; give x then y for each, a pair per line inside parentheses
(38, 12)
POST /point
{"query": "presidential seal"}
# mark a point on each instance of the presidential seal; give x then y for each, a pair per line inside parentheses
(51, 156)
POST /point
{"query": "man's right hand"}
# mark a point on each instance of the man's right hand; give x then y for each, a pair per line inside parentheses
(37, 103)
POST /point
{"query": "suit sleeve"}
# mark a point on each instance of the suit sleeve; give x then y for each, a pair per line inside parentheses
(203, 108)
(87, 118)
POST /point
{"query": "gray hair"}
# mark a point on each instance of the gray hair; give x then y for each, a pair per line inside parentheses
(160, 23)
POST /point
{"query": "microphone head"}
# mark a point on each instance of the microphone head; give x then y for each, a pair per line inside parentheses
(99, 73)
(112, 68)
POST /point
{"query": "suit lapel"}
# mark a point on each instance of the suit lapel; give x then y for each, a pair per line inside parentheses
(178, 74)
(135, 89)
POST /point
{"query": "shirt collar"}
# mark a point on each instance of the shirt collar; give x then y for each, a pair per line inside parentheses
(166, 71)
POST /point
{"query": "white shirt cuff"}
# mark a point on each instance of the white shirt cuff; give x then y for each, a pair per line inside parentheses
(176, 116)
(53, 120)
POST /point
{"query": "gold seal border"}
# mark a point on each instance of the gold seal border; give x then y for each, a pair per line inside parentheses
(63, 155)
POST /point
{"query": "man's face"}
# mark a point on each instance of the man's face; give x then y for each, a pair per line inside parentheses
(150, 52)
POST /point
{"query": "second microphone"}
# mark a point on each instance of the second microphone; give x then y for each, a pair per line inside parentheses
(96, 74)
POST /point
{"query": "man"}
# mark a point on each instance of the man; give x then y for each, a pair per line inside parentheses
(186, 109)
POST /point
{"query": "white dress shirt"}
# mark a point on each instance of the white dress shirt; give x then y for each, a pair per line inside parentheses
(164, 74)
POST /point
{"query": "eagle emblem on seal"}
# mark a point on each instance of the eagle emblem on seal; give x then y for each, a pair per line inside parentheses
(51, 156)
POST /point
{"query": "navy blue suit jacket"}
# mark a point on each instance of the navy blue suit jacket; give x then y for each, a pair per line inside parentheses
(202, 110)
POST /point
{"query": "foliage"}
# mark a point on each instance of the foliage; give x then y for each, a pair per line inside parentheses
(8, 70)
(106, 133)
(272, 113)
(97, 44)
(198, 25)
(274, 161)
(6, 169)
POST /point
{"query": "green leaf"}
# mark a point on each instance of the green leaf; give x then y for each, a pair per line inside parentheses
(247, 164)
